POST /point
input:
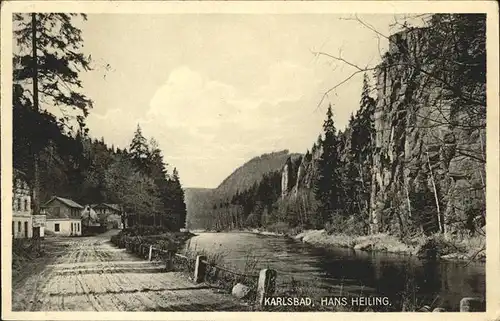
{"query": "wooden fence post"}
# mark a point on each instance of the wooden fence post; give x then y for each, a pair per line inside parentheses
(170, 257)
(266, 285)
(200, 268)
(472, 305)
(150, 256)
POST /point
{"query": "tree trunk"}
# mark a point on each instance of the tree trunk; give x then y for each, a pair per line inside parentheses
(36, 174)
(440, 223)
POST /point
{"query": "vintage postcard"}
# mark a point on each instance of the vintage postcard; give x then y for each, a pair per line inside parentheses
(295, 160)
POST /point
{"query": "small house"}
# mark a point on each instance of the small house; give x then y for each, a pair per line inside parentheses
(109, 214)
(63, 216)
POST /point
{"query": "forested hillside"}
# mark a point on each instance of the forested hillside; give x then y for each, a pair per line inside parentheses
(206, 207)
(51, 143)
(412, 158)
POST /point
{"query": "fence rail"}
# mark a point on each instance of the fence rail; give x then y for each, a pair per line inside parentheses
(266, 279)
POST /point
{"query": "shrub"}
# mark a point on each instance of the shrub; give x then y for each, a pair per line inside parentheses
(23, 251)
(350, 226)
(279, 227)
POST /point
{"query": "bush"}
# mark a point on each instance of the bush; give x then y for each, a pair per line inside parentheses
(278, 227)
(350, 226)
(23, 251)
(148, 235)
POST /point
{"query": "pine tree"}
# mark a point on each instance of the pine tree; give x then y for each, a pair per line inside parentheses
(46, 64)
(156, 167)
(358, 159)
(326, 187)
(180, 205)
(139, 150)
(363, 125)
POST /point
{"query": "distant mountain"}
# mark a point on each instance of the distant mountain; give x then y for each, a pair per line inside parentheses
(199, 201)
(252, 171)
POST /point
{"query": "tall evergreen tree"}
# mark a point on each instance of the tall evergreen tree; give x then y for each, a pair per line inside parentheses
(47, 63)
(180, 205)
(358, 159)
(139, 150)
(327, 189)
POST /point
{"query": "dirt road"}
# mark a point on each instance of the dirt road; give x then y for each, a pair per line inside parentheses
(90, 274)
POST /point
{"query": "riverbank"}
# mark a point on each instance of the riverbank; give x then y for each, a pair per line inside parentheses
(435, 246)
(453, 248)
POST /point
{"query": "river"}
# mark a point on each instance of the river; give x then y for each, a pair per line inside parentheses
(338, 271)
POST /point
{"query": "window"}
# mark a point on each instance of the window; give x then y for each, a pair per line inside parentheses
(13, 228)
(25, 204)
(72, 227)
(19, 227)
(56, 227)
(78, 227)
(26, 229)
(18, 207)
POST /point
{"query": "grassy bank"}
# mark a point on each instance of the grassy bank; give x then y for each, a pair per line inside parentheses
(24, 252)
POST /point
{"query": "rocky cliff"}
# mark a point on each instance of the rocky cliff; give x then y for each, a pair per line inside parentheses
(420, 172)
(300, 172)
(428, 168)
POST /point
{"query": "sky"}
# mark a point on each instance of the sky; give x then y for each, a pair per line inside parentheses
(216, 90)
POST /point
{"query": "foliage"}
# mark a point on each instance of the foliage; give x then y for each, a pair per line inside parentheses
(327, 190)
(46, 86)
(159, 237)
(57, 61)
(434, 182)
(204, 204)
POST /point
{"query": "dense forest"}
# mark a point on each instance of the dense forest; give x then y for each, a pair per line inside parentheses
(219, 208)
(410, 161)
(51, 143)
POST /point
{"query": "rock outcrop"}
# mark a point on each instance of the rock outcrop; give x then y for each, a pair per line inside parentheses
(289, 175)
(428, 170)
(419, 173)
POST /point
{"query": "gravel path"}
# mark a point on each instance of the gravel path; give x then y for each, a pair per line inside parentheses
(90, 274)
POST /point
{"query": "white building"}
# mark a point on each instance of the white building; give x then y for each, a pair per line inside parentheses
(64, 226)
(63, 216)
(24, 224)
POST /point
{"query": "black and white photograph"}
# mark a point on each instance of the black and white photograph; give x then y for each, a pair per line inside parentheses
(258, 161)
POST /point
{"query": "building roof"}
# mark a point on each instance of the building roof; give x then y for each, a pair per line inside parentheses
(66, 201)
(64, 219)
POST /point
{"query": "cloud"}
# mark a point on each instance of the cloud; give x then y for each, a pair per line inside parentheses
(204, 122)
(188, 99)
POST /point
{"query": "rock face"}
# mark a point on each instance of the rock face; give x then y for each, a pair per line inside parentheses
(428, 170)
(418, 172)
(289, 175)
(300, 173)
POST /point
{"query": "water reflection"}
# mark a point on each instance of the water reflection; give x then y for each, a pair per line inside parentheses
(339, 270)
